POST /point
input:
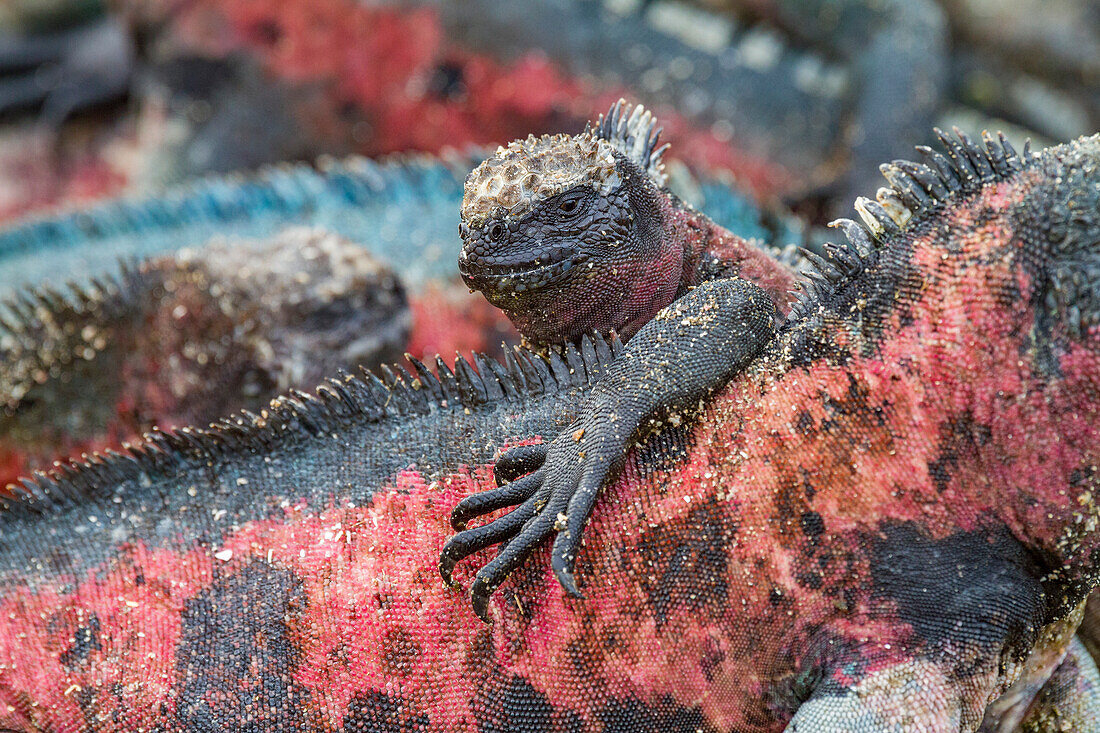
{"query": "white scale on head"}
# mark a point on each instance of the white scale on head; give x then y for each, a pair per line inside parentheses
(517, 177)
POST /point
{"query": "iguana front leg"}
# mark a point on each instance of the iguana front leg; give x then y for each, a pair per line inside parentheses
(690, 348)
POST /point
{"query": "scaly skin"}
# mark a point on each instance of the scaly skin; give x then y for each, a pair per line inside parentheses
(572, 234)
(851, 535)
(549, 312)
(180, 340)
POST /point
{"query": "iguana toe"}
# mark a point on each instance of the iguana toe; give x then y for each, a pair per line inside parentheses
(482, 503)
(571, 528)
(534, 532)
(519, 460)
(469, 541)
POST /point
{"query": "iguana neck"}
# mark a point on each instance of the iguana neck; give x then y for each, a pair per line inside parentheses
(710, 250)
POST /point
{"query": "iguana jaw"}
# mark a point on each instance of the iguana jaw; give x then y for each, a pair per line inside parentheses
(552, 268)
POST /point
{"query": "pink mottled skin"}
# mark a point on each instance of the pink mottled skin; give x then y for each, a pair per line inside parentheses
(646, 285)
(701, 237)
(693, 572)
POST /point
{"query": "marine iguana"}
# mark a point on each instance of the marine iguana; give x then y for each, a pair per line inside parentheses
(799, 554)
(181, 340)
(577, 233)
(557, 498)
(547, 309)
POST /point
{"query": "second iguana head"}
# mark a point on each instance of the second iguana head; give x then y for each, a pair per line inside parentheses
(569, 234)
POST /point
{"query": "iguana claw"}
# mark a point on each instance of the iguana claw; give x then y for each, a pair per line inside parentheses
(477, 505)
(518, 461)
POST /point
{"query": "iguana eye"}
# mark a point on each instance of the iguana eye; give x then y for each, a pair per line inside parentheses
(496, 231)
(569, 205)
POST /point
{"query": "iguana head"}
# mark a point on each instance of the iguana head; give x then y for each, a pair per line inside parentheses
(564, 232)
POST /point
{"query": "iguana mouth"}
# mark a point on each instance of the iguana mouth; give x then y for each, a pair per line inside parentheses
(519, 278)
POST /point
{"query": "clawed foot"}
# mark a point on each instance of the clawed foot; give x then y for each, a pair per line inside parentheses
(555, 487)
(671, 363)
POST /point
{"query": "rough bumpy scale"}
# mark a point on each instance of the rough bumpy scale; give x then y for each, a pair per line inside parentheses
(850, 535)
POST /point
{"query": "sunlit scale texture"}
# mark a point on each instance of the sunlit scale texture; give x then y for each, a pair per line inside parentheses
(888, 520)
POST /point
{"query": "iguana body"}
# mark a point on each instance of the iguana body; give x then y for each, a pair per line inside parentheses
(400, 207)
(549, 310)
(764, 565)
(179, 340)
(422, 77)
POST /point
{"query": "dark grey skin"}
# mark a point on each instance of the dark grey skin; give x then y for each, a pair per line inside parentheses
(712, 333)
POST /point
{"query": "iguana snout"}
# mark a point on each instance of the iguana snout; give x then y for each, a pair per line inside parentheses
(504, 259)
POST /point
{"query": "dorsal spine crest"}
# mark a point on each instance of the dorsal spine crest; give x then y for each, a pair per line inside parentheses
(332, 406)
(916, 191)
(633, 131)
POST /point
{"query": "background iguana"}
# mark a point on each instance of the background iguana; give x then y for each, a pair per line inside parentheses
(181, 340)
(749, 569)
